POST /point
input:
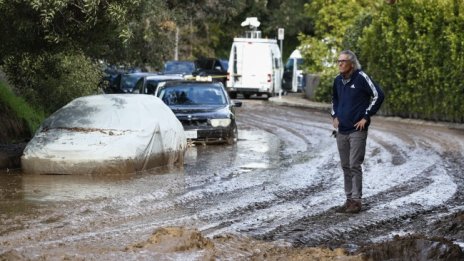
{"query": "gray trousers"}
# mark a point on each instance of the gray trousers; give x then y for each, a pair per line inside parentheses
(352, 148)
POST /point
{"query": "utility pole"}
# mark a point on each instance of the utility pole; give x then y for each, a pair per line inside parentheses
(176, 50)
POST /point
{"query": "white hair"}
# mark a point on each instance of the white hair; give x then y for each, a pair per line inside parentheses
(352, 57)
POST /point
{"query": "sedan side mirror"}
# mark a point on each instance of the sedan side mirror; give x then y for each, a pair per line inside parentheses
(236, 103)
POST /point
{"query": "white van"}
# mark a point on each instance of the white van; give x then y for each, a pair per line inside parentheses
(255, 66)
(293, 78)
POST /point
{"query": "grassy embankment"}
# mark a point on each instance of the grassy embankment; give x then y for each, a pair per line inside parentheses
(21, 108)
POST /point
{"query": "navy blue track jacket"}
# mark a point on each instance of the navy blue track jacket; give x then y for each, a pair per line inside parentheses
(357, 99)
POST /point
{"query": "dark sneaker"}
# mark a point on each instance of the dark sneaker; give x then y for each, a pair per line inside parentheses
(344, 207)
(354, 207)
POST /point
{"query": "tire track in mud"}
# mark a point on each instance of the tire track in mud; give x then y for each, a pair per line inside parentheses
(254, 206)
(399, 157)
(332, 228)
(260, 120)
(332, 232)
(393, 151)
(299, 131)
(270, 124)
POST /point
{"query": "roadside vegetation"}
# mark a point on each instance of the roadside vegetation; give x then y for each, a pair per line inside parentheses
(52, 51)
(21, 108)
(414, 49)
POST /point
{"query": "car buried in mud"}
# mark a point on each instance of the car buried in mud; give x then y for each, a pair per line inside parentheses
(106, 134)
(204, 109)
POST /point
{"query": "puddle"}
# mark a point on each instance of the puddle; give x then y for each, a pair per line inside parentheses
(54, 188)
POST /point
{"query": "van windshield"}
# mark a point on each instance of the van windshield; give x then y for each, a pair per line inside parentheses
(289, 65)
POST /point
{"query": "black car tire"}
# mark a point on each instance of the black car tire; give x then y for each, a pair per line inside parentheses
(233, 136)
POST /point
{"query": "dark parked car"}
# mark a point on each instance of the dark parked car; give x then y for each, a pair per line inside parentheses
(216, 68)
(125, 82)
(110, 74)
(204, 109)
(179, 67)
(149, 84)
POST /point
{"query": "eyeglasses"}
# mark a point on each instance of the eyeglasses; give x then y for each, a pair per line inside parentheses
(342, 61)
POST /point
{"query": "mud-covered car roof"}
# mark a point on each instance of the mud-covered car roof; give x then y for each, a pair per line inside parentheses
(111, 133)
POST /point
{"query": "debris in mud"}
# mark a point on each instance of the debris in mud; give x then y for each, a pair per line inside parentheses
(451, 227)
(12, 255)
(178, 240)
(175, 239)
(307, 253)
(414, 247)
(171, 240)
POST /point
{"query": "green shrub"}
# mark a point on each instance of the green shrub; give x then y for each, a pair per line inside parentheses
(21, 108)
(50, 81)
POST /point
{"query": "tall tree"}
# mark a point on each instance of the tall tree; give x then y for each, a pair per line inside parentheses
(202, 26)
(291, 16)
(41, 40)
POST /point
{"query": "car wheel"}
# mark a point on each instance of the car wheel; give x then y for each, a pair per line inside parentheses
(233, 136)
(233, 95)
(246, 95)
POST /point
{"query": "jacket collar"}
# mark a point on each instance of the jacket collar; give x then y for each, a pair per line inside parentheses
(352, 76)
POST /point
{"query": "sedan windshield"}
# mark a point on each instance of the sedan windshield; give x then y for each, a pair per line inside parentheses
(192, 95)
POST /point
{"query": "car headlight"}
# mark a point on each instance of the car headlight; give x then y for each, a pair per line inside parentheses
(220, 122)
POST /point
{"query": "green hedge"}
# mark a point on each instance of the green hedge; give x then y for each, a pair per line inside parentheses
(415, 49)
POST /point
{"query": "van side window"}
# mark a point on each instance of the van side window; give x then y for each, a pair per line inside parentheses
(276, 62)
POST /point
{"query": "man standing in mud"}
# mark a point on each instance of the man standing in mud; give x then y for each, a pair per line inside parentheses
(355, 98)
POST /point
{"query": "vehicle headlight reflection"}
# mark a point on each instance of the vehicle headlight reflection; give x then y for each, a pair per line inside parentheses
(220, 122)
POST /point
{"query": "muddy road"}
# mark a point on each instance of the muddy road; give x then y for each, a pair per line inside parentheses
(279, 184)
